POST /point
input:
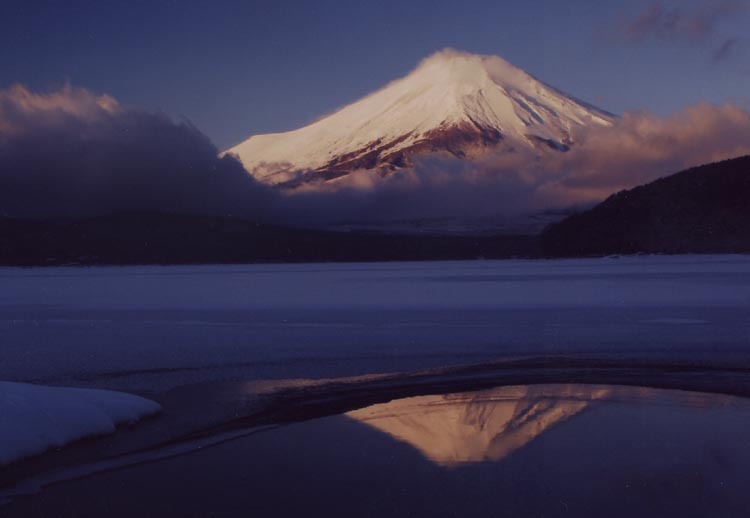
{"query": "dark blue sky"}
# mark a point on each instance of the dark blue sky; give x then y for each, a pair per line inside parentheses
(235, 67)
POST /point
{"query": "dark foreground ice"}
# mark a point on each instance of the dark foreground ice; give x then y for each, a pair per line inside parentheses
(516, 451)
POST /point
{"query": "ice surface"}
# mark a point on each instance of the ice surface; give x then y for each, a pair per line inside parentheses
(35, 418)
(152, 328)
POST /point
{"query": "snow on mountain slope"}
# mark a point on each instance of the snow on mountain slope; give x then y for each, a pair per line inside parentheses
(452, 102)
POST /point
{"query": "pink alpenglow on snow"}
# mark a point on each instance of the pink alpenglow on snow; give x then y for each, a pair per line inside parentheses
(454, 103)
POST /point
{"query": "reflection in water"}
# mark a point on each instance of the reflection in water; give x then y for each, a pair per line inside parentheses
(617, 453)
(485, 426)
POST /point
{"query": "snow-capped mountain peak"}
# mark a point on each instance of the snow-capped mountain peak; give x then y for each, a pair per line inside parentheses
(453, 102)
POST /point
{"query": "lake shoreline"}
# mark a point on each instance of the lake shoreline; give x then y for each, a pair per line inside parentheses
(199, 412)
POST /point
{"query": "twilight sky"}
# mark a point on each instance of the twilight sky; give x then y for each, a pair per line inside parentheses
(239, 67)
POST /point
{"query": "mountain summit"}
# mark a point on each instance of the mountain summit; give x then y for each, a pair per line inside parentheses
(454, 103)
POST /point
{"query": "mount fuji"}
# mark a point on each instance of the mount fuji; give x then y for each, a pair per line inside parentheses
(453, 103)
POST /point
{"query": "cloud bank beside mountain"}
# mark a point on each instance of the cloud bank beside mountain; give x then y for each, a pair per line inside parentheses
(72, 153)
(642, 147)
(636, 149)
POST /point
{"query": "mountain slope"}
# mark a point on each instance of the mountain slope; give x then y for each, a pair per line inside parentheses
(702, 210)
(453, 102)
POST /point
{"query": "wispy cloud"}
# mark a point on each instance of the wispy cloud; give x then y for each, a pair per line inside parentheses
(725, 49)
(664, 21)
(696, 24)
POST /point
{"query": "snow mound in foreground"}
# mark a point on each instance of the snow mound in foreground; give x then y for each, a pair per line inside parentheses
(34, 418)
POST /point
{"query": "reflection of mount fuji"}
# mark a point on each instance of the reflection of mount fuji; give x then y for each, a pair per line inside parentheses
(478, 426)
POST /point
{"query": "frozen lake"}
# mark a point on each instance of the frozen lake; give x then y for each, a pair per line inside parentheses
(153, 328)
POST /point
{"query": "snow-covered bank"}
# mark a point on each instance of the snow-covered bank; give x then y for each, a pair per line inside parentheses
(34, 418)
